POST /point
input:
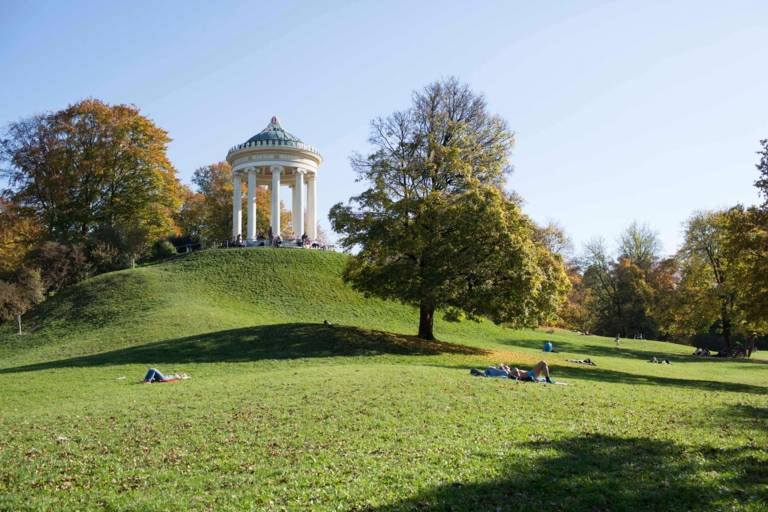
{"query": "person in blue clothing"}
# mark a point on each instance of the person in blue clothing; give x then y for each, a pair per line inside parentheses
(497, 371)
(154, 375)
(492, 371)
(540, 369)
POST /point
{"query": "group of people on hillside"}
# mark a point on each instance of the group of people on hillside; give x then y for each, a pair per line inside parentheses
(701, 352)
(275, 241)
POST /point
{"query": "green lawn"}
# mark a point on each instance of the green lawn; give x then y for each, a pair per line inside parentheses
(284, 413)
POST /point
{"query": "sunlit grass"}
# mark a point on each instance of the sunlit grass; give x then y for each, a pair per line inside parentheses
(284, 413)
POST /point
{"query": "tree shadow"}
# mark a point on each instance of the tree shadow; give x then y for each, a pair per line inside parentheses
(603, 375)
(746, 414)
(279, 341)
(598, 374)
(602, 473)
(753, 360)
(591, 350)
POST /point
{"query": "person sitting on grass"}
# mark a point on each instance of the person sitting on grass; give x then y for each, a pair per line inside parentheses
(154, 375)
(539, 369)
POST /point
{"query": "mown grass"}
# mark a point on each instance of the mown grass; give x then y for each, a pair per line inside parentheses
(285, 413)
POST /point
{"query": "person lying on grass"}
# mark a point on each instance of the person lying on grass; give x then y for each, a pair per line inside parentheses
(154, 375)
(539, 369)
(492, 371)
(582, 361)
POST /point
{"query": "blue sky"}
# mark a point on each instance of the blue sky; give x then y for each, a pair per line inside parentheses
(623, 111)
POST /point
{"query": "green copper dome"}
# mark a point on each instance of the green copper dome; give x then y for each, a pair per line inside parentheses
(271, 137)
(274, 133)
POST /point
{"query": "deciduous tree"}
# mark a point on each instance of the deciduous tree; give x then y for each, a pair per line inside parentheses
(623, 295)
(191, 218)
(91, 166)
(214, 182)
(434, 229)
(574, 313)
(17, 296)
(746, 243)
(762, 167)
(640, 245)
(708, 283)
(59, 264)
(18, 235)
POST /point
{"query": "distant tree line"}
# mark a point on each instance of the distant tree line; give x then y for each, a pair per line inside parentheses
(712, 293)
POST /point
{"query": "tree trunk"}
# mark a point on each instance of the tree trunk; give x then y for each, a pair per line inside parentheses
(725, 318)
(426, 320)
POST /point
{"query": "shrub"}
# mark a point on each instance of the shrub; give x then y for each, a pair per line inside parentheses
(16, 298)
(12, 302)
(59, 264)
(163, 249)
(30, 284)
(104, 256)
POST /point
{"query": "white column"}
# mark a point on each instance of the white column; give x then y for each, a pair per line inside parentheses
(276, 170)
(294, 199)
(298, 204)
(251, 205)
(311, 207)
(237, 206)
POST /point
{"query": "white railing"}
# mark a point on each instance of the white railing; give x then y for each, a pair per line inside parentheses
(273, 143)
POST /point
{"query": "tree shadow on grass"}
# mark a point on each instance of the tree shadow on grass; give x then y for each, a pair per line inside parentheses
(747, 415)
(591, 350)
(279, 341)
(602, 473)
(602, 375)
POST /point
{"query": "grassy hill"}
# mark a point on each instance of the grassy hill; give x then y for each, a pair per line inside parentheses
(284, 413)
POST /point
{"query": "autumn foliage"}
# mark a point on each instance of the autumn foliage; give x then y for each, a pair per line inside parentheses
(92, 179)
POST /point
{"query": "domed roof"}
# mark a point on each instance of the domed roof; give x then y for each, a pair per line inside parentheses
(274, 132)
(271, 137)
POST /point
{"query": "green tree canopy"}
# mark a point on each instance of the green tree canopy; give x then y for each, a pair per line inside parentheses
(709, 290)
(434, 228)
(746, 243)
(747, 239)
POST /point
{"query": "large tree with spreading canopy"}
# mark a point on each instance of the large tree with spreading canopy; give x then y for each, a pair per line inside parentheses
(435, 228)
(91, 168)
